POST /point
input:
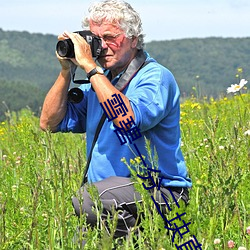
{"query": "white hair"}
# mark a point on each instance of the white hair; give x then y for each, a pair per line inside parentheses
(120, 13)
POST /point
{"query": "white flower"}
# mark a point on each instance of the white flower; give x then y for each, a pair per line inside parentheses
(242, 248)
(14, 188)
(22, 210)
(221, 147)
(216, 241)
(246, 133)
(237, 87)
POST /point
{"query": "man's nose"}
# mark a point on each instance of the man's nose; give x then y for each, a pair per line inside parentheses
(104, 44)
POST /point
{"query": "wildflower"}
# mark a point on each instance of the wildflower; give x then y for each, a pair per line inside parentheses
(123, 159)
(198, 182)
(14, 188)
(45, 216)
(194, 241)
(230, 244)
(247, 133)
(240, 70)
(248, 230)
(132, 162)
(242, 248)
(237, 87)
(138, 160)
(195, 106)
(221, 147)
(22, 210)
(216, 241)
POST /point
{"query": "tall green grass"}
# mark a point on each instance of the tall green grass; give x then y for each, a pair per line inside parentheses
(40, 172)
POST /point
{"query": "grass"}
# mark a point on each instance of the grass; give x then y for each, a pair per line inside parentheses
(40, 172)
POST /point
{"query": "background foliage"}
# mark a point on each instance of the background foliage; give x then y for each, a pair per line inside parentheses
(28, 66)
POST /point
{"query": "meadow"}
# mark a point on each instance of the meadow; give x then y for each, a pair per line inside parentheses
(40, 172)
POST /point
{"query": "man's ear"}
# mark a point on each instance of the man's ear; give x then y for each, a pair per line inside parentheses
(134, 42)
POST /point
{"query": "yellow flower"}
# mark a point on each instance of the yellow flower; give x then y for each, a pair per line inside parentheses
(132, 162)
(198, 182)
(195, 105)
(240, 70)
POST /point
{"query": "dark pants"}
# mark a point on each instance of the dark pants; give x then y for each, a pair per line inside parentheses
(119, 193)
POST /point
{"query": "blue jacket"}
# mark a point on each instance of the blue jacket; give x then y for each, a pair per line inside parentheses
(154, 97)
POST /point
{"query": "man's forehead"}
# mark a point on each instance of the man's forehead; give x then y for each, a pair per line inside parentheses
(104, 27)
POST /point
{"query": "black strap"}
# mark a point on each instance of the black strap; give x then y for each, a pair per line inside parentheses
(136, 64)
(97, 132)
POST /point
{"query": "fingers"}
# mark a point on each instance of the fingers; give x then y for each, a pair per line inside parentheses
(82, 49)
(66, 61)
(67, 35)
(59, 57)
(63, 36)
(70, 35)
(75, 37)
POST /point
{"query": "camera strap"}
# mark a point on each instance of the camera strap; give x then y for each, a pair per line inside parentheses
(136, 64)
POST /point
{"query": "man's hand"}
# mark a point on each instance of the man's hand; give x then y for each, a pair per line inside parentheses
(66, 63)
(83, 54)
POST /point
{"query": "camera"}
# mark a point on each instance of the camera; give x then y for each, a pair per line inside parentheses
(65, 48)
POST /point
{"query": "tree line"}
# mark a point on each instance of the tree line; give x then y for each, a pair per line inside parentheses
(202, 67)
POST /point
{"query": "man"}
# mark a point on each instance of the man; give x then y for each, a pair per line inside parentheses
(149, 98)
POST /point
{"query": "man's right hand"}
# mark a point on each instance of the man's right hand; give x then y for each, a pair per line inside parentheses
(66, 63)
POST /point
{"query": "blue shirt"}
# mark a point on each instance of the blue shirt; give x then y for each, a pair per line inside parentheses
(154, 97)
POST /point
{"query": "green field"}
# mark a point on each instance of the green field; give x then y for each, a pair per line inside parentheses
(40, 172)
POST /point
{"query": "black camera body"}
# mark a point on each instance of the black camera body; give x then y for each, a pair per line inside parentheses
(65, 48)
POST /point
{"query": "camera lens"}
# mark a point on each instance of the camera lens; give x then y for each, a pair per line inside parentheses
(75, 95)
(65, 48)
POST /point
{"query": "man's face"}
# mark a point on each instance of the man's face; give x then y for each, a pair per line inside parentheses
(118, 50)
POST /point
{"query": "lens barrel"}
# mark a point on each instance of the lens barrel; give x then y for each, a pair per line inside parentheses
(75, 95)
(65, 48)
